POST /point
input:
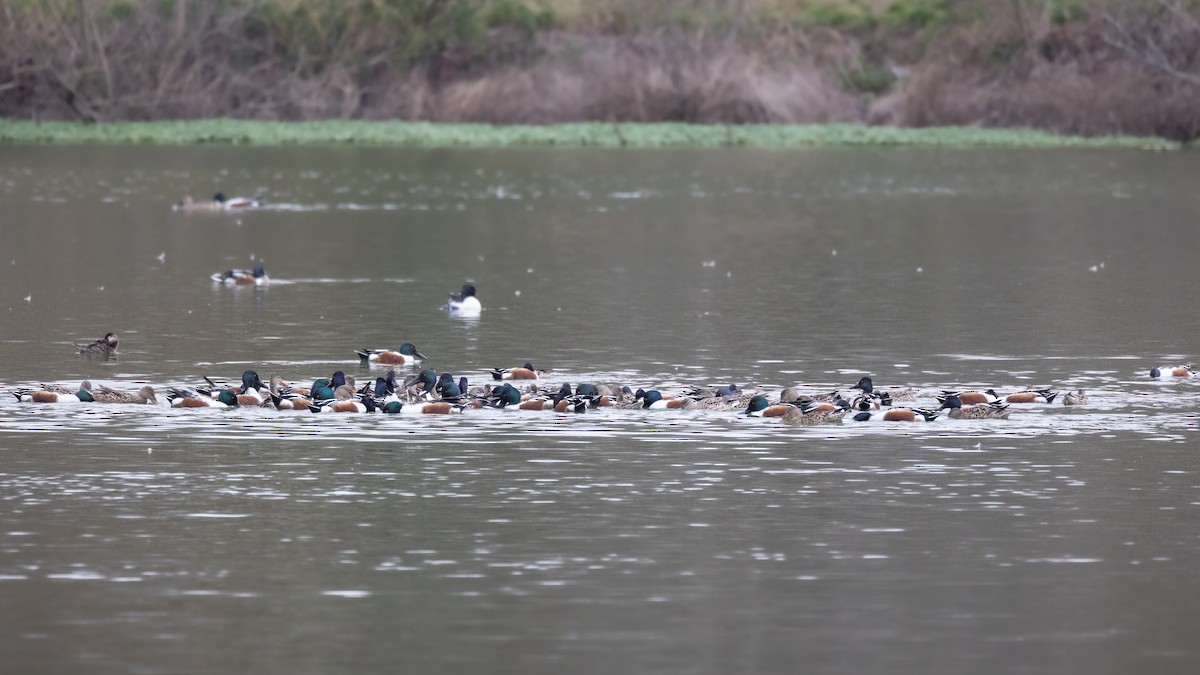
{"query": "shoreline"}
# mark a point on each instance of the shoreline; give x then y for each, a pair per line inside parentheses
(570, 135)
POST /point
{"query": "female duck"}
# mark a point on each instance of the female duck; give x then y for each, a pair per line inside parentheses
(104, 347)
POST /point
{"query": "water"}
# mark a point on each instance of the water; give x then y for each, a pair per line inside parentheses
(151, 540)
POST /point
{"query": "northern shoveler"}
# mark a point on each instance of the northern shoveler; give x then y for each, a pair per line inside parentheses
(464, 303)
(977, 411)
(239, 277)
(560, 401)
(86, 385)
(1031, 396)
(885, 397)
(504, 396)
(179, 397)
(422, 408)
(105, 346)
(421, 385)
(815, 413)
(406, 355)
(759, 406)
(654, 399)
(57, 395)
(1168, 372)
(1077, 397)
(250, 393)
(969, 397)
(448, 388)
(525, 372)
(363, 404)
(145, 395)
(897, 415)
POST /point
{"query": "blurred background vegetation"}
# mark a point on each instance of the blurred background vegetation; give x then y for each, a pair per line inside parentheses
(1084, 67)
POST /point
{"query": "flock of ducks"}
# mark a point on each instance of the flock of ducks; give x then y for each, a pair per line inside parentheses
(430, 392)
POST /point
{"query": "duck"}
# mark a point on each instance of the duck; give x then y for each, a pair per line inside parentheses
(969, 397)
(760, 406)
(597, 396)
(421, 385)
(1031, 396)
(561, 401)
(145, 396)
(344, 404)
(654, 399)
(977, 411)
(180, 397)
(815, 413)
(103, 347)
(525, 372)
(86, 385)
(406, 355)
(250, 391)
(219, 202)
(504, 396)
(1077, 397)
(29, 395)
(885, 397)
(422, 408)
(239, 277)
(897, 415)
(448, 388)
(1168, 372)
(868, 402)
(464, 303)
(283, 397)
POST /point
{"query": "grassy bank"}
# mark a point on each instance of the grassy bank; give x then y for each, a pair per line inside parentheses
(1076, 67)
(588, 134)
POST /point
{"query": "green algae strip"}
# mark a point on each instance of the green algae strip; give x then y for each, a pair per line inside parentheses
(575, 135)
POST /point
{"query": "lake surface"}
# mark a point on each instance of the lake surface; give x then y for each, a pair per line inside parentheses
(139, 539)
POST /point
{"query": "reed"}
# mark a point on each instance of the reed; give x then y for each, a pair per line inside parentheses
(1076, 67)
(580, 135)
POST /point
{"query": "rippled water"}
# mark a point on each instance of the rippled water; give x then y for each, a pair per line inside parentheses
(146, 539)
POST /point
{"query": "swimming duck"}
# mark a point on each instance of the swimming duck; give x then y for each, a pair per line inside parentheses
(1077, 397)
(897, 415)
(104, 347)
(406, 355)
(525, 372)
(464, 303)
(28, 395)
(504, 396)
(969, 397)
(179, 397)
(421, 385)
(343, 404)
(816, 413)
(977, 411)
(86, 385)
(250, 393)
(145, 395)
(759, 406)
(653, 399)
(1168, 372)
(239, 277)
(885, 397)
(447, 387)
(559, 401)
(422, 408)
(1031, 396)
(219, 202)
